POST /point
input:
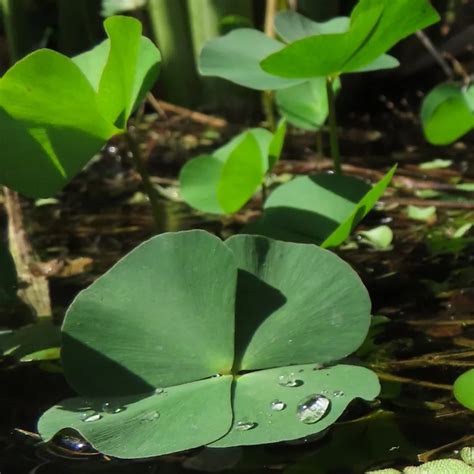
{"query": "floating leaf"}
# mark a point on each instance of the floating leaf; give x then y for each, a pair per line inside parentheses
(421, 213)
(446, 115)
(380, 237)
(371, 34)
(435, 164)
(320, 209)
(182, 370)
(464, 389)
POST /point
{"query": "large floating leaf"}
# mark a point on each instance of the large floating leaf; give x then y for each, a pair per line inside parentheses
(236, 57)
(51, 124)
(320, 209)
(371, 34)
(142, 344)
(446, 114)
(121, 69)
(223, 182)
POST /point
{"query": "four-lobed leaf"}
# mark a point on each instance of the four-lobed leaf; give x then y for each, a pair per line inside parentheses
(447, 113)
(223, 182)
(321, 209)
(56, 113)
(169, 365)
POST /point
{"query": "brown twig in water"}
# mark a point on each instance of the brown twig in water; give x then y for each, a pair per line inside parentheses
(427, 43)
(428, 455)
(429, 202)
(420, 383)
(162, 107)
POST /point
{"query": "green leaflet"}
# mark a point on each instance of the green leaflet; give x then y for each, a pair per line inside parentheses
(464, 389)
(321, 209)
(446, 114)
(57, 113)
(370, 35)
(223, 182)
(155, 329)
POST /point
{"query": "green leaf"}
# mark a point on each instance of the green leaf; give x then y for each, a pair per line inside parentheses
(320, 209)
(436, 164)
(223, 182)
(464, 389)
(305, 105)
(291, 26)
(380, 237)
(50, 123)
(180, 418)
(370, 35)
(254, 392)
(132, 67)
(8, 276)
(277, 320)
(112, 7)
(169, 307)
(241, 175)
(421, 213)
(446, 115)
(236, 57)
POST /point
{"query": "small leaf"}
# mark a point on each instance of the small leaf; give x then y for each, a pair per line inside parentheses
(112, 7)
(152, 424)
(446, 115)
(435, 164)
(469, 187)
(276, 145)
(464, 389)
(462, 231)
(236, 57)
(254, 393)
(421, 213)
(380, 237)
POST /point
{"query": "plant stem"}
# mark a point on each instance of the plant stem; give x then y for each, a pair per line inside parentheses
(319, 143)
(148, 187)
(335, 154)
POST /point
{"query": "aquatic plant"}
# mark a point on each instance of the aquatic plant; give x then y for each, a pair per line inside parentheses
(191, 341)
(57, 112)
(223, 182)
(447, 113)
(464, 389)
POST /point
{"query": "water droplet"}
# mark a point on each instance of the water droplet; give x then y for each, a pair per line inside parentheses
(216, 376)
(112, 407)
(312, 408)
(289, 380)
(245, 425)
(338, 393)
(152, 416)
(91, 416)
(159, 391)
(277, 405)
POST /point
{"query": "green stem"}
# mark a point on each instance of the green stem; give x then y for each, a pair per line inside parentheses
(267, 105)
(335, 154)
(146, 180)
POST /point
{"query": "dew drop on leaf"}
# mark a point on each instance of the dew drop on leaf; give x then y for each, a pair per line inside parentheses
(289, 380)
(312, 408)
(277, 405)
(245, 425)
(89, 417)
(152, 416)
(111, 407)
(159, 391)
(338, 393)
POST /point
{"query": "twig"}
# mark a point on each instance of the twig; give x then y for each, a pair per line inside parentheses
(429, 202)
(421, 383)
(427, 455)
(35, 292)
(427, 43)
(162, 107)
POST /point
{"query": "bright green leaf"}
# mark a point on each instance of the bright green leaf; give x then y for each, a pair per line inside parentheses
(50, 124)
(380, 237)
(463, 230)
(469, 187)
(236, 57)
(255, 392)
(370, 35)
(276, 145)
(464, 389)
(181, 417)
(277, 320)
(438, 163)
(446, 115)
(421, 213)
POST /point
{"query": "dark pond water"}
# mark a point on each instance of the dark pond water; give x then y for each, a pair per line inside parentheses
(425, 293)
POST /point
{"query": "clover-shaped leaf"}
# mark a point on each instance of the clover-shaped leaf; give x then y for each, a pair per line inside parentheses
(321, 209)
(371, 34)
(56, 112)
(190, 341)
(223, 182)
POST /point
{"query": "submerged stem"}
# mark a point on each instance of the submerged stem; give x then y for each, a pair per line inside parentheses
(148, 187)
(335, 154)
